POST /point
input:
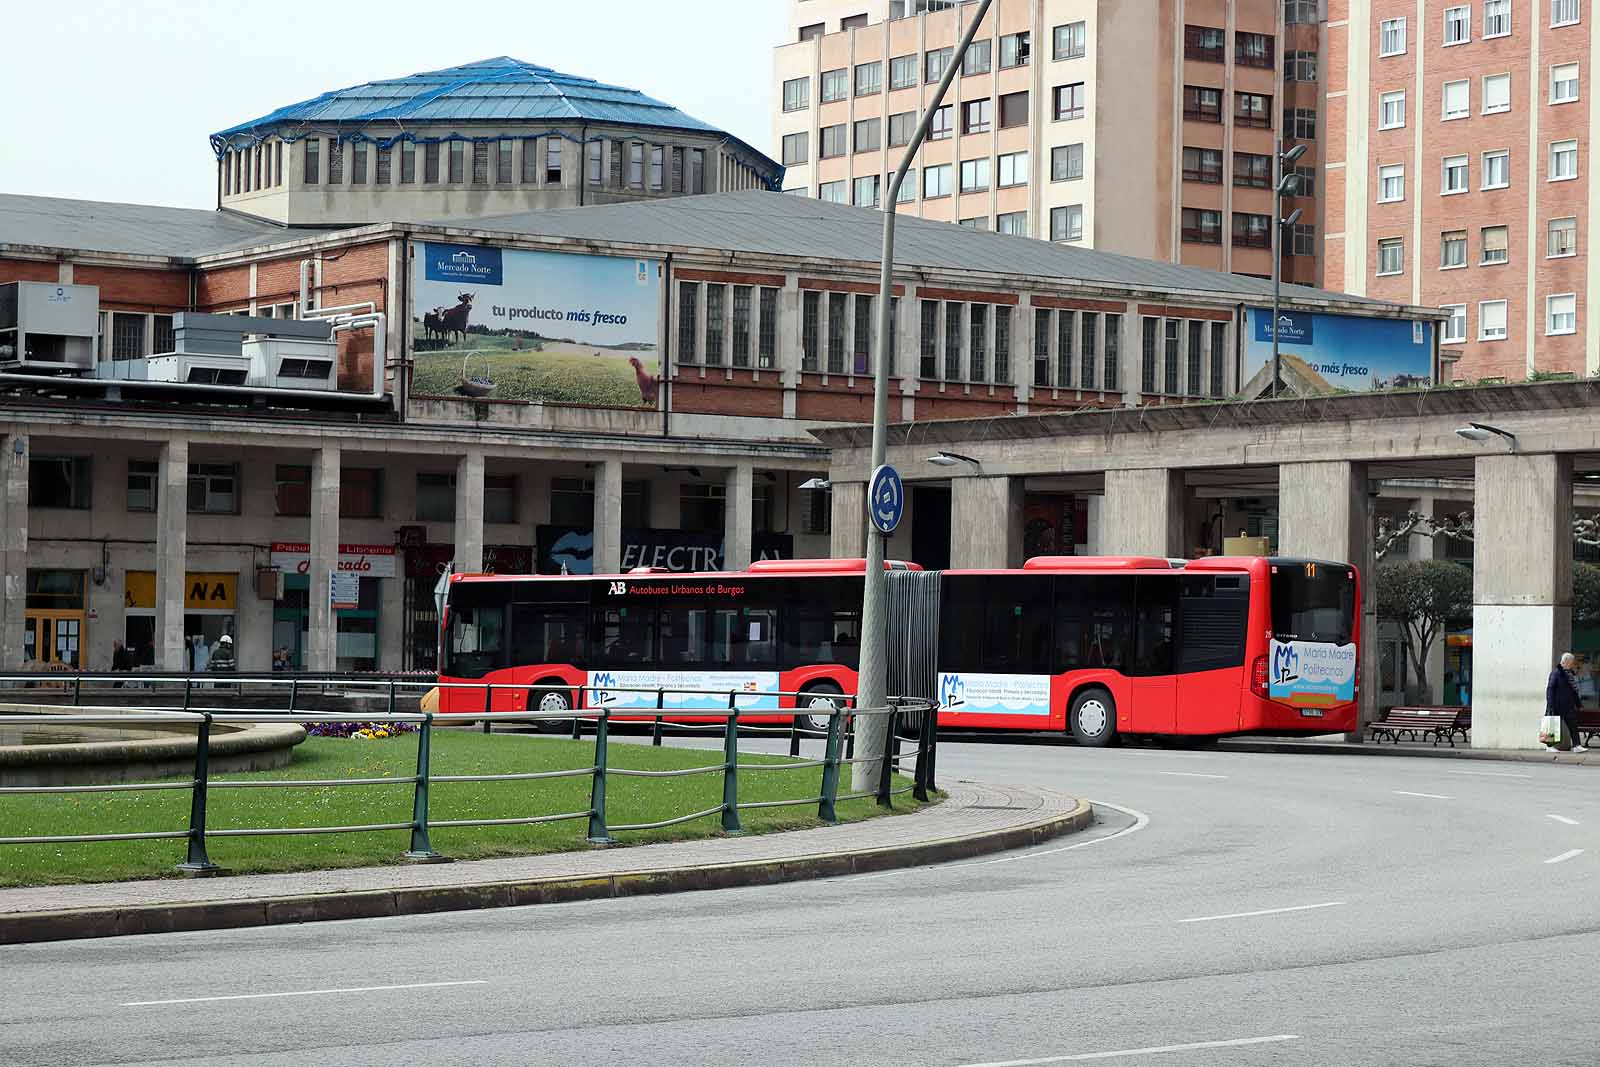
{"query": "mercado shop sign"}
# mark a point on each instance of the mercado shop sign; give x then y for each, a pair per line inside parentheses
(365, 561)
(201, 591)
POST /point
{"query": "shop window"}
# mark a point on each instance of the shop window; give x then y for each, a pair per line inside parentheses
(59, 482)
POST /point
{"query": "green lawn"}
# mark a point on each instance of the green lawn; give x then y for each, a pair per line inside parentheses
(629, 800)
(562, 373)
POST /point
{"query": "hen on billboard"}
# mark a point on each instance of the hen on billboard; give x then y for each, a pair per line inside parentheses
(1338, 353)
(515, 324)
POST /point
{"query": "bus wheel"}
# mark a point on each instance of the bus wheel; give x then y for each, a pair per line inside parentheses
(1093, 718)
(820, 698)
(552, 702)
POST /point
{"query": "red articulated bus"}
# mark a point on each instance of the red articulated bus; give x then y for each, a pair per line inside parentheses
(549, 642)
(1103, 646)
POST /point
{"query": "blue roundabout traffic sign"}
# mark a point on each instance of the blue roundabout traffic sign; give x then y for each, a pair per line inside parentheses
(886, 499)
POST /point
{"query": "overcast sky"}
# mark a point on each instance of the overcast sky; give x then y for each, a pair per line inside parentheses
(116, 100)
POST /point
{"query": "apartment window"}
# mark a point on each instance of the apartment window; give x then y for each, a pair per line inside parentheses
(1392, 37)
(953, 325)
(1455, 175)
(1561, 314)
(480, 163)
(797, 94)
(1066, 223)
(1455, 327)
(867, 191)
(1066, 162)
(1251, 230)
(1496, 93)
(869, 78)
(1300, 123)
(1563, 160)
(977, 116)
(1071, 40)
(767, 350)
(977, 222)
(1201, 104)
(833, 142)
(458, 163)
(1089, 326)
(1491, 320)
(530, 161)
(658, 160)
(935, 63)
(1203, 43)
(688, 327)
(902, 72)
(853, 22)
(213, 488)
(928, 341)
(636, 165)
(901, 127)
(430, 163)
(142, 485)
(1069, 101)
(1303, 240)
(1308, 182)
(1252, 110)
(313, 172)
(1392, 110)
(1254, 50)
(1201, 226)
(935, 181)
(1457, 25)
(1496, 18)
(813, 31)
(1452, 249)
(1300, 66)
(1391, 183)
(503, 162)
(1012, 222)
(1196, 333)
(1013, 169)
(868, 135)
(835, 85)
(1147, 366)
(908, 187)
(861, 337)
(1041, 349)
(1563, 83)
(832, 192)
(1173, 326)
(1013, 110)
(1457, 99)
(943, 125)
(161, 336)
(740, 356)
(1014, 49)
(810, 332)
(595, 165)
(838, 308)
(979, 58)
(794, 149)
(1301, 12)
(716, 302)
(335, 162)
(1391, 256)
(974, 175)
(1496, 245)
(1496, 169)
(358, 163)
(59, 482)
(978, 351)
(1250, 170)
(615, 164)
(1561, 238)
(1202, 165)
(1112, 380)
(127, 336)
(1563, 12)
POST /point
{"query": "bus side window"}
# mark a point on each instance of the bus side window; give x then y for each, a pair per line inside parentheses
(1212, 618)
(1016, 625)
(621, 636)
(845, 628)
(1094, 622)
(683, 635)
(1153, 648)
(806, 637)
(743, 637)
(961, 623)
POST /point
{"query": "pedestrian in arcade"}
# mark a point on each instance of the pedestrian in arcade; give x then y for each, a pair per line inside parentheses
(1561, 699)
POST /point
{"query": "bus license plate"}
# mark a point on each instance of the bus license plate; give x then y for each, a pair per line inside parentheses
(1311, 713)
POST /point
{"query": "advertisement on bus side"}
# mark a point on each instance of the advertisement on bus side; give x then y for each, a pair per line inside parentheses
(1312, 673)
(994, 694)
(754, 690)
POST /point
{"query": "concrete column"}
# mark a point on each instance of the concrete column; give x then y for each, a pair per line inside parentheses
(392, 623)
(14, 551)
(469, 513)
(1143, 513)
(322, 635)
(849, 520)
(1130, 357)
(985, 522)
(172, 550)
(607, 557)
(1521, 592)
(737, 518)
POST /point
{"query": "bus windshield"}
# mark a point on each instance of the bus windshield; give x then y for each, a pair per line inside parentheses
(1313, 602)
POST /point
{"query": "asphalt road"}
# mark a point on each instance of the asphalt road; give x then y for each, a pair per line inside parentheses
(1235, 908)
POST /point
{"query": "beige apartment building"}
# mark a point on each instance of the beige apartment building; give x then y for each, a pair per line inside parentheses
(1459, 173)
(1144, 127)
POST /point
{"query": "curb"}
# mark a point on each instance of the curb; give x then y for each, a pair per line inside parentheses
(25, 927)
(1507, 755)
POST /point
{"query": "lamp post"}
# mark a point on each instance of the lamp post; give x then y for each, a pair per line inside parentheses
(871, 686)
(1282, 185)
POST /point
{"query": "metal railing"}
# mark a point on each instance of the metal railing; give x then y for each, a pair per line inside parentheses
(838, 751)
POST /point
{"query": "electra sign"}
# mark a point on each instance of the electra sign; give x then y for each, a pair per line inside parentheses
(366, 561)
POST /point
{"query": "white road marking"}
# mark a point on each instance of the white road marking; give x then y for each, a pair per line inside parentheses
(302, 993)
(1265, 911)
(1430, 796)
(1561, 819)
(1492, 774)
(1154, 1050)
(1191, 774)
(1565, 856)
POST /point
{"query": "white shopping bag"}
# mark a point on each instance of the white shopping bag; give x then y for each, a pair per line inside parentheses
(1550, 730)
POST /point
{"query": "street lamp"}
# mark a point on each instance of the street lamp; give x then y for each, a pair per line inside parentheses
(816, 483)
(1482, 431)
(950, 459)
(1285, 184)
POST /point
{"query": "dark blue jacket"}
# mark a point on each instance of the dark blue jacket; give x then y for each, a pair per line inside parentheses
(1560, 694)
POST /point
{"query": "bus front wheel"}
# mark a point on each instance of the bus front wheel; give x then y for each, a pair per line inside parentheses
(551, 702)
(1093, 718)
(821, 700)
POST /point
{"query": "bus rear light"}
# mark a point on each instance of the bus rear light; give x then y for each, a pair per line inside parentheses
(1258, 677)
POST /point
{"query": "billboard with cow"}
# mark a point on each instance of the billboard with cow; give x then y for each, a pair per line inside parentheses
(1328, 353)
(516, 324)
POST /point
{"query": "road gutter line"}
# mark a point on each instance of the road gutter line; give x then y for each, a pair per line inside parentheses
(301, 993)
(1492, 774)
(1154, 1050)
(1265, 911)
(1565, 856)
(1191, 774)
(1429, 796)
(1561, 819)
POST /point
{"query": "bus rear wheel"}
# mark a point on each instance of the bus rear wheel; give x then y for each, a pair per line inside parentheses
(821, 699)
(1093, 718)
(551, 702)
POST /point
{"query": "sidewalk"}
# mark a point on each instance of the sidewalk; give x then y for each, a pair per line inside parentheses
(1405, 748)
(975, 819)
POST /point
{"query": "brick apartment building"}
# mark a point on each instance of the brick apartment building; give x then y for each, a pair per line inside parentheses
(1459, 173)
(1142, 128)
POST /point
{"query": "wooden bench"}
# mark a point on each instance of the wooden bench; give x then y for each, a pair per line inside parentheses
(1439, 723)
(1588, 725)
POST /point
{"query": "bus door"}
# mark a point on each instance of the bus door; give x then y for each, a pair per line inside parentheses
(1154, 684)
